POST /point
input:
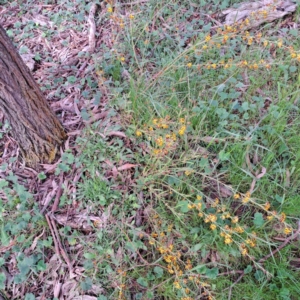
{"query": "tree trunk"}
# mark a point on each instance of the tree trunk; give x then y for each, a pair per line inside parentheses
(34, 125)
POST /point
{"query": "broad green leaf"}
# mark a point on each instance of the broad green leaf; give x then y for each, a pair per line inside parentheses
(142, 281)
(258, 219)
(248, 269)
(159, 272)
(212, 273)
(183, 205)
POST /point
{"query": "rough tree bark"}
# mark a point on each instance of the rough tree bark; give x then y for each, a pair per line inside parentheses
(34, 125)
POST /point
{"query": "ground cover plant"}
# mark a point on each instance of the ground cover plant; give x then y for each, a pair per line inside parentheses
(186, 184)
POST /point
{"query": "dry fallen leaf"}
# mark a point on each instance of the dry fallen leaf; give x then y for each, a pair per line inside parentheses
(126, 167)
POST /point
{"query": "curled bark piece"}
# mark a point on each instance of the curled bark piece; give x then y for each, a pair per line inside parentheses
(91, 20)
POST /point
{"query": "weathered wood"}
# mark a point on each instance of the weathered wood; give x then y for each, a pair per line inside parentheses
(258, 12)
(34, 125)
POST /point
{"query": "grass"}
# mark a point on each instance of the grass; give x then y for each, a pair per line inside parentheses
(206, 182)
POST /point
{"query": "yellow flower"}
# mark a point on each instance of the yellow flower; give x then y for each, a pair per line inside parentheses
(282, 217)
(188, 172)
(266, 43)
(204, 47)
(234, 220)
(239, 229)
(151, 242)
(177, 285)
(293, 55)
(164, 126)
(131, 17)
(287, 230)
(228, 240)
(189, 65)
(173, 136)
(215, 203)
(251, 242)
(207, 38)
(170, 228)
(122, 58)
(244, 251)
(270, 218)
(181, 130)
(267, 206)
(245, 200)
(213, 226)
(199, 205)
(182, 120)
(279, 43)
(138, 133)
(159, 141)
(199, 197)
(110, 9)
(157, 151)
(236, 196)
(211, 218)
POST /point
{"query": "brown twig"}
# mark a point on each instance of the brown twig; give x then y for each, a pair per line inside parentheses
(290, 238)
(57, 243)
(231, 272)
(58, 193)
(53, 236)
(62, 251)
(133, 3)
(237, 281)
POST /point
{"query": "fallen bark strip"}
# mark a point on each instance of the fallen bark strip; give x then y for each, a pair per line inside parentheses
(258, 12)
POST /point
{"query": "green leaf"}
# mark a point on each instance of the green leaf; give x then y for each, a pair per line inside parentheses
(183, 205)
(142, 281)
(89, 255)
(42, 176)
(71, 79)
(259, 275)
(3, 183)
(131, 246)
(2, 281)
(200, 269)
(223, 155)
(279, 199)
(258, 219)
(29, 296)
(4, 237)
(86, 284)
(2, 261)
(212, 273)
(197, 247)
(159, 272)
(248, 269)
(84, 114)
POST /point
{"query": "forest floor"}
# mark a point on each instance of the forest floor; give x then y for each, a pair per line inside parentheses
(180, 177)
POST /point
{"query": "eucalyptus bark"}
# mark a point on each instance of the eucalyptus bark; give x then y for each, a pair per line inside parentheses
(34, 125)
